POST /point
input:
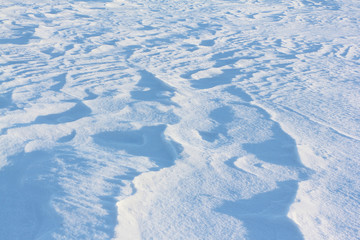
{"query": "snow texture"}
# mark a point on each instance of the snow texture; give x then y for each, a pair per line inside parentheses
(179, 119)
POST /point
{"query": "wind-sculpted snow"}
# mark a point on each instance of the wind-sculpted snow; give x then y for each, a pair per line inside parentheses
(149, 119)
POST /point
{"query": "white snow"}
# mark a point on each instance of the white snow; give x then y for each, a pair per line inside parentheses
(149, 119)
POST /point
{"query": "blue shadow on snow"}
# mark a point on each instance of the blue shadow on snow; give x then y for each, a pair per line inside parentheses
(26, 188)
(155, 89)
(265, 215)
(147, 141)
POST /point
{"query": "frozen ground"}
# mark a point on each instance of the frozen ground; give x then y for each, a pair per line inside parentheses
(179, 119)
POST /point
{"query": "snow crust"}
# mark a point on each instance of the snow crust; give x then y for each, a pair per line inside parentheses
(149, 119)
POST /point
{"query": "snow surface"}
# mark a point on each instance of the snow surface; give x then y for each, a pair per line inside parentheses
(179, 119)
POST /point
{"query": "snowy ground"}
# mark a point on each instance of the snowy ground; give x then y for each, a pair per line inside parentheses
(179, 119)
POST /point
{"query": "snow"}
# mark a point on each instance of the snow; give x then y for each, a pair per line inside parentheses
(148, 119)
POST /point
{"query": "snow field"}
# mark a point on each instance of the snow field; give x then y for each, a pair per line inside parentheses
(153, 119)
